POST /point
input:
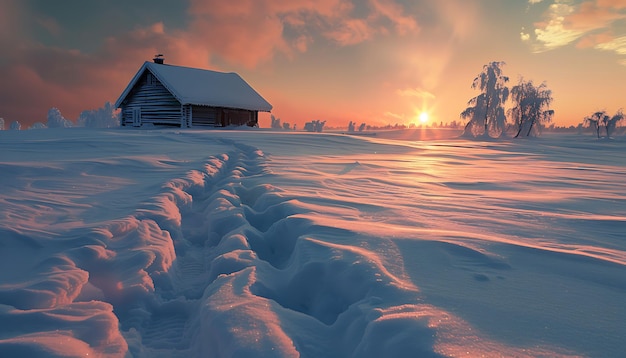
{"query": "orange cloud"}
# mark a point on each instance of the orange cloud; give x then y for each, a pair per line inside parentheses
(566, 23)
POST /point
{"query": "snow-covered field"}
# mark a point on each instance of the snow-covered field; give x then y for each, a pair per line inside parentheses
(189, 243)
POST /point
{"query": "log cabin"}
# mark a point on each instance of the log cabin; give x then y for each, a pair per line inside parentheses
(162, 94)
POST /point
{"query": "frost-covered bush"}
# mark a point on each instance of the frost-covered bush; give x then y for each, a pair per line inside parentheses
(314, 126)
(275, 122)
(56, 120)
(105, 117)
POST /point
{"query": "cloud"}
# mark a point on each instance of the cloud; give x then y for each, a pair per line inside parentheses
(566, 22)
(461, 18)
(11, 29)
(393, 115)
(416, 92)
(241, 32)
(394, 12)
(591, 40)
(37, 77)
(50, 25)
(590, 16)
(302, 43)
(617, 45)
(524, 36)
(350, 32)
(553, 33)
(615, 4)
(250, 32)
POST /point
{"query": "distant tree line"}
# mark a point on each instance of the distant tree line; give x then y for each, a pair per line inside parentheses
(312, 126)
(276, 124)
(104, 117)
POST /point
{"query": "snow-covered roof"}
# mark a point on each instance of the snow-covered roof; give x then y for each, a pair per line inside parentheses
(202, 87)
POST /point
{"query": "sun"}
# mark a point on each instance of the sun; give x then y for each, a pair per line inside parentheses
(423, 117)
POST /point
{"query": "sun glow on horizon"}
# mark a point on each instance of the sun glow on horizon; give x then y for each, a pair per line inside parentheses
(423, 118)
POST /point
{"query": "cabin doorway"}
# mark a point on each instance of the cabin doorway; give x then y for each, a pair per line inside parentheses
(137, 117)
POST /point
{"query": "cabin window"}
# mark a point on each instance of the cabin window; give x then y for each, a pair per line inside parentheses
(151, 80)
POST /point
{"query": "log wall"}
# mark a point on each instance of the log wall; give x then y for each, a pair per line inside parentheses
(158, 105)
(204, 116)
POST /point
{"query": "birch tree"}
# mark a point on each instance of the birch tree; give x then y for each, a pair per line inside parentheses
(487, 109)
(595, 121)
(611, 123)
(601, 119)
(531, 106)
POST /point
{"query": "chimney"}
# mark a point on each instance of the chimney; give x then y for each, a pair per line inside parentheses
(158, 59)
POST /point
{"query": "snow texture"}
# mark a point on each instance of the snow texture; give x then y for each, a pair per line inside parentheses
(227, 243)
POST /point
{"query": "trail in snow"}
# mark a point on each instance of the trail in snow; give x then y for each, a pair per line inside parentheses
(359, 248)
(220, 263)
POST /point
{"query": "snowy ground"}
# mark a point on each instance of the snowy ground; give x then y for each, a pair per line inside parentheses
(170, 243)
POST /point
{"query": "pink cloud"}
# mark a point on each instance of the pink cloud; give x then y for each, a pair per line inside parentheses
(612, 4)
(252, 32)
(26, 96)
(350, 32)
(590, 16)
(592, 40)
(395, 13)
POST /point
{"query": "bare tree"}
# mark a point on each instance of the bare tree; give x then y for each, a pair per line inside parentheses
(532, 106)
(487, 108)
(595, 120)
(611, 123)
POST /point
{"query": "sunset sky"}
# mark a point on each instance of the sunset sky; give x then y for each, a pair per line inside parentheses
(374, 61)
